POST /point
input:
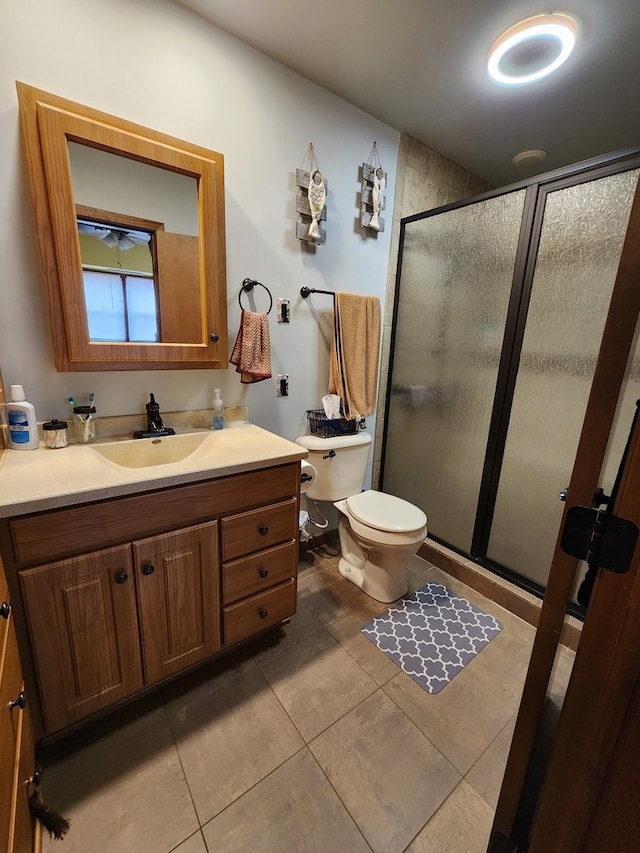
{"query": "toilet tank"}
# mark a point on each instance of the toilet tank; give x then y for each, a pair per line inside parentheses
(341, 463)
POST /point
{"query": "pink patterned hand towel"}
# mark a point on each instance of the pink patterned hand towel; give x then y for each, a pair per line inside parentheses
(252, 350)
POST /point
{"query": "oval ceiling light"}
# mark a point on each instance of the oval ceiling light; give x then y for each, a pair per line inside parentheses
(532, 49)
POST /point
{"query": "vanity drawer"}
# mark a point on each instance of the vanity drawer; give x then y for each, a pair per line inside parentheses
(258, 613)
(259, 529)
(249, 575)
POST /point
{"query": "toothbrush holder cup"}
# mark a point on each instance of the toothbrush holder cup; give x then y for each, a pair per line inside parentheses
(85, 423)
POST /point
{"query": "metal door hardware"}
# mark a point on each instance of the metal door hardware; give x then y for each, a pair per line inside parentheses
(597, 536)
(602, 540)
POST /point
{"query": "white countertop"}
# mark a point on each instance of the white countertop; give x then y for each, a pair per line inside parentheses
(34, 480)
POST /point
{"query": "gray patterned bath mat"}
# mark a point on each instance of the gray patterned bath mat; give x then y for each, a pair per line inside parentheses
(432, 634)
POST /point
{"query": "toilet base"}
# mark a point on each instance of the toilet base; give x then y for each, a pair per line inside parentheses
(383, 588)
(381, 572)
(375, 560)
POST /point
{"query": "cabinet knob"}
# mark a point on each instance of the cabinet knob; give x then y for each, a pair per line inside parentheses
(37, 777)
(214, 336)
(20, 702)
(264, 573)
(122, 577)
(148, 569)
(5, 609)
(263, 613)
(263, 530)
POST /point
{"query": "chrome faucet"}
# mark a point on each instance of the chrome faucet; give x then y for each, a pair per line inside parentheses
(155, 425)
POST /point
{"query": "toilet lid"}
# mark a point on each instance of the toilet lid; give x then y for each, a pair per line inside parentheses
(386, 512)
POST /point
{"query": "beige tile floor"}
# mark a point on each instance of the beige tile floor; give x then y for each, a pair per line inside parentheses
(309, 739)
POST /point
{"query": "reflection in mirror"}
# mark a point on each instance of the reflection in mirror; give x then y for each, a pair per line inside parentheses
(133, 297)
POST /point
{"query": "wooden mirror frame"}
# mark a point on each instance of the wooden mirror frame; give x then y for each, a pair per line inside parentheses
(48, 124)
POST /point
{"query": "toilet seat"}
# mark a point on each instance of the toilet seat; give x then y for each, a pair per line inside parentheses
(386, 513)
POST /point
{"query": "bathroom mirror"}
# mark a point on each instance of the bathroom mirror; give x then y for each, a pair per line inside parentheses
(131, 229)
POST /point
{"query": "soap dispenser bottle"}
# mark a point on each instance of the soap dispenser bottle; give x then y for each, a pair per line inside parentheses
(218, 410)
(21, 421)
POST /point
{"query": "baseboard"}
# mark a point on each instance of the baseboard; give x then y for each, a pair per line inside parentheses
(518, 601)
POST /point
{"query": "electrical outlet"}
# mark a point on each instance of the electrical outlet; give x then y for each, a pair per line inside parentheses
(282, 385)
(283, 310)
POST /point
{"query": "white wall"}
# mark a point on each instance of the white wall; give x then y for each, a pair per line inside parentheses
(157, 64)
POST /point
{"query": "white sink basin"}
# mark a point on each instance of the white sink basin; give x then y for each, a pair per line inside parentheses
(145, 452)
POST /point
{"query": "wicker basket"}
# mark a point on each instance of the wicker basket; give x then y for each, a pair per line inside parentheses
(325, 427)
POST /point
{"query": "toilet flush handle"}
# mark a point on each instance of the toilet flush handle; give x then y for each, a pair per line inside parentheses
(330, 455)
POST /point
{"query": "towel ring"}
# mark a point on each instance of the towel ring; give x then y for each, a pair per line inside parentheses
(248, 285)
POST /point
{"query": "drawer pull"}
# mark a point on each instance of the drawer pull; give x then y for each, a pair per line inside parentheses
(264, 573)
(148, 569)
(122, 577)
(5, 609)
(20, 702)
(263, 613)
(263, 530)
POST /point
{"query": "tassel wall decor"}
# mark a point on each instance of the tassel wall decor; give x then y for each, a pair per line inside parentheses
(56, 825)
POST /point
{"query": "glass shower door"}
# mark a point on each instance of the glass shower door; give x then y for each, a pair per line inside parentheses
(581, 240)
(453, 300)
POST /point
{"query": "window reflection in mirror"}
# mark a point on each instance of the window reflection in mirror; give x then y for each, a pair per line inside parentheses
(138, 231)
(119, 286)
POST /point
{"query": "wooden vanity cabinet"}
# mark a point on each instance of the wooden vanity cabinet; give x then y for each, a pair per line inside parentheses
(108, 624)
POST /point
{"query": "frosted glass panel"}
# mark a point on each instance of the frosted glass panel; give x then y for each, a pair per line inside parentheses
(457, 270)
(581, 241)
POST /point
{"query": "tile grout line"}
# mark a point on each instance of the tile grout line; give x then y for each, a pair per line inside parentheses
(184, 776)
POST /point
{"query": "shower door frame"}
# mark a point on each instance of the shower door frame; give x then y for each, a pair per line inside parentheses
(537, 190)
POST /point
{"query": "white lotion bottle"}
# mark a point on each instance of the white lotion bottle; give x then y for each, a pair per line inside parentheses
(218, 410)
(22, 426)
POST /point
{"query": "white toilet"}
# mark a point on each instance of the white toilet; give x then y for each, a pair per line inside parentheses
(378, 532)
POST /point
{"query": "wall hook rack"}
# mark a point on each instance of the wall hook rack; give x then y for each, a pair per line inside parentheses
(247, 286)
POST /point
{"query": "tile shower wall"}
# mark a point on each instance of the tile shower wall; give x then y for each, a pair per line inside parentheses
(424, 180)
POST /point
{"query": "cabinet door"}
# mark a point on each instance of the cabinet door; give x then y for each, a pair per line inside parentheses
(23, 831)
(10, 725)
(178, 600)
(84, 632)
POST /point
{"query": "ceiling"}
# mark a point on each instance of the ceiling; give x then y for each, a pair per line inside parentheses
(420, 66)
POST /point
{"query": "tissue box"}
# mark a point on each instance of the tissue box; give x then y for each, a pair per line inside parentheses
(325, 427)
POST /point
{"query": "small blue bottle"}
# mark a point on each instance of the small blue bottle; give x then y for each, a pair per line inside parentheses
(218, 411)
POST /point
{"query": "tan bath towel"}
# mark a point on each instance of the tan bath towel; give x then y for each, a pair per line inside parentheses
(355, 353)
(252, 350)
